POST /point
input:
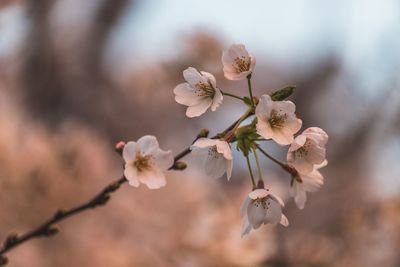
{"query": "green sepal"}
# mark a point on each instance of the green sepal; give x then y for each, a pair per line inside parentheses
(283, 93)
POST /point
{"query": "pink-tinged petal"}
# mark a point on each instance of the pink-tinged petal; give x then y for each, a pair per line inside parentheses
(252, 62)
(299, 194)
(204, 142)
(246, 227)
(282, 137)
(188, 98)
(322, 165)
(312, 181)
(274, 212)
(258, 193)
(293, 124)
(192, 76)
(316, 154)
(200, 108)
(234, 76)
(164, 159)
(217, 100)
(317, 134)
(148, 144)
(210, 78)
(243, 208)
(302, 165)
(256, 214)
(215, 167)
(153, 178)
(277, 199)
(129, 151)
(131, 174)
(264, 107)
(264, 129)
(298, 142)
(284, 220)
(183, 89)
(227, 60)
(286, 107)
(224, 149)
(229, 167)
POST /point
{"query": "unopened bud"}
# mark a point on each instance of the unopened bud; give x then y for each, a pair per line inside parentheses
(119, 147)
(51, 230)
(179, 165)
(203, 133)
(11, 240)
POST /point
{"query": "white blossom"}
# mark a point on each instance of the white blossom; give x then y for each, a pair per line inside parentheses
(262, 207)
(199, 92)
(276, 120)
(237, 62)
(303, 183)
(217, 156)
(307, 150)
(145, 162)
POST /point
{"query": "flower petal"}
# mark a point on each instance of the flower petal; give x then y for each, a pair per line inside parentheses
(217, 100)
(204, 142)
(215, 167)
(148, 144)
(192, 76)
(258, 193)
(256, 214)
(199, 108)
(130, 174)
(284, 220)
(274, 212)
(224, 149)
(246, 227)
(153, 178)
(228, 167)
(163, 159)
(129, 151)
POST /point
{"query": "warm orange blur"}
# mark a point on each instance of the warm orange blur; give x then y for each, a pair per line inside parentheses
(62, 111)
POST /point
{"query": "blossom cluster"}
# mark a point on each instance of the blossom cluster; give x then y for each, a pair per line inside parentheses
(274, 119)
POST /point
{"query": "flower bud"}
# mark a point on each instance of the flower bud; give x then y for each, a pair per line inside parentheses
(203, 133)
(119, 147)
(179, 165)
(51, 230)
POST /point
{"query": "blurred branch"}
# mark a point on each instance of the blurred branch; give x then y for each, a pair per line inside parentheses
(48, 229)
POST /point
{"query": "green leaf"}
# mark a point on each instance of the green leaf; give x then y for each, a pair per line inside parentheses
(283, 93)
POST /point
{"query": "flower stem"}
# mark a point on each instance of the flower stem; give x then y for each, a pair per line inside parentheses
(258, 165)
(284, 166)
(232, 95)
(250, 90)
(251, 172)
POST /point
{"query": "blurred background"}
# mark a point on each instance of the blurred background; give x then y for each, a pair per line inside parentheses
(77, 76)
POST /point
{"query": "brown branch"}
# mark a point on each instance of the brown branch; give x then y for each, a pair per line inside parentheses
(48, 229)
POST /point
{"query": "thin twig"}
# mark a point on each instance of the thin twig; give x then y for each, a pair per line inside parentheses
(47, 228)
(284, 166)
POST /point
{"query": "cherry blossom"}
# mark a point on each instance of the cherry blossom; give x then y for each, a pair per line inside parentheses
(262, 207)
(238, 63)
(145, 162)
(217, 156)
(303, 183)
(308, 149)
(199, 92)
(276, 120)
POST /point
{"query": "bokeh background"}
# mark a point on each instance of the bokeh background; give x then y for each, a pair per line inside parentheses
(77, 76)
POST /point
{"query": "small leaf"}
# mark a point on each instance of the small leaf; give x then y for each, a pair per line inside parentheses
(283, 93)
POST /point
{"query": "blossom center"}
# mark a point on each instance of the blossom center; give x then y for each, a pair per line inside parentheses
(303, 151)
(242, 64)
(142, 162)
(204, 89)
(277, 120)
(212, 152)
(265, 202)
